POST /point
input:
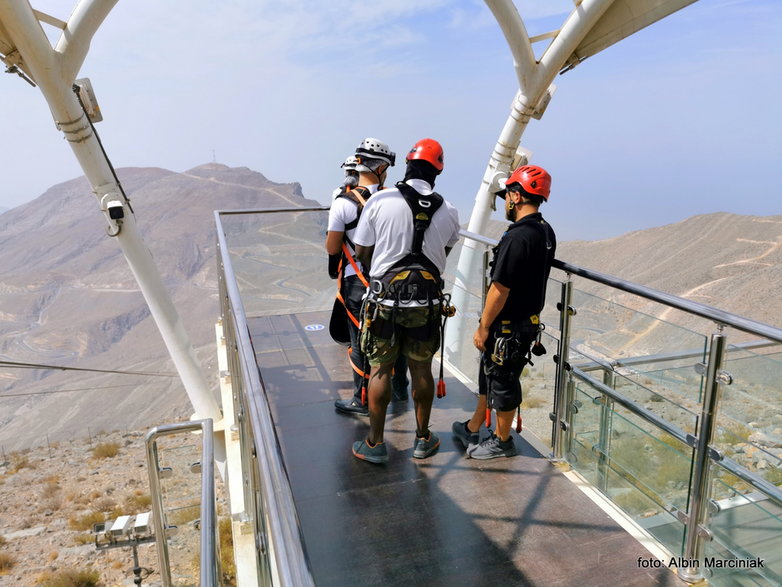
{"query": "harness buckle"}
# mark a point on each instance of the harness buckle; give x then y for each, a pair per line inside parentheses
(500, 351)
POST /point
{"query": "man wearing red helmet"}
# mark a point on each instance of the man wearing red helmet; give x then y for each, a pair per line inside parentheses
(403, 237)
(510, 320)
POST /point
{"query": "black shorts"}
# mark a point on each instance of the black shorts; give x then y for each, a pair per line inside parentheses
(502, 383)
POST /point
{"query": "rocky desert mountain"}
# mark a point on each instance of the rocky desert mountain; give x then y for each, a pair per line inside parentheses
(727, 261)
(67, 297)
(723, 260)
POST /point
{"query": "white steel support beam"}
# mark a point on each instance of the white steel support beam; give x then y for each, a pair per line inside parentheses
(534, 81)
(54, 71)
(80, 28)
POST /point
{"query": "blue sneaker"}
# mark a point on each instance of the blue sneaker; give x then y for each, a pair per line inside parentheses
(425, 447)
(374, 454)
(492, 448)
(461, 433)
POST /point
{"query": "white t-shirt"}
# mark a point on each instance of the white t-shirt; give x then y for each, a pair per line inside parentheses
(342, 212)
(387, 224)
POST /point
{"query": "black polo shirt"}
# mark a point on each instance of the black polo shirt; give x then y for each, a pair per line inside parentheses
(522, 262)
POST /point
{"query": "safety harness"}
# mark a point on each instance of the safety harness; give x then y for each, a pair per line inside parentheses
(412, 279)
(337, 263)
(359, 196)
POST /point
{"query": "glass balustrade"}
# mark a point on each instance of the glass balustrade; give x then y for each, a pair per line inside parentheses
(637, 385)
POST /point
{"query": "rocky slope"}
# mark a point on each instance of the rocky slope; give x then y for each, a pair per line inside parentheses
(67, 297)
(50, 496)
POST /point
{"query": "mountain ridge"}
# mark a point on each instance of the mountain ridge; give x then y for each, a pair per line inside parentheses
(67, 295)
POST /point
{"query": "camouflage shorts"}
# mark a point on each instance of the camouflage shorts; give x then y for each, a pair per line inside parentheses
(414, 332)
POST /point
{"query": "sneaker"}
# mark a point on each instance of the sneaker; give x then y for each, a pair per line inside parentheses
(425, 447)
(374, 454)
(493, 447)
(351, 406)
(463, 435)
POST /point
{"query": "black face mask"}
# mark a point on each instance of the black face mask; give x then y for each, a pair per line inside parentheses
(510, 211)
(418, 169)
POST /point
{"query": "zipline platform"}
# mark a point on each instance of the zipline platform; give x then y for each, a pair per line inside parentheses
(445, 520)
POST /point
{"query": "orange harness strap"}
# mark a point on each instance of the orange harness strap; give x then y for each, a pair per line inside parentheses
(353, 319)
(363, 279)
(355, 368)
(354, 265)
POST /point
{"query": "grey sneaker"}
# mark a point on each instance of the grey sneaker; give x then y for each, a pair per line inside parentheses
(426, 447)
(463, 435)
(374, 454)
(493, 447)
(351, 406)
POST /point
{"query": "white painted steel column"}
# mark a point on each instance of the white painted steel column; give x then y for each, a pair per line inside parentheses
(534, 80)
(54, 72)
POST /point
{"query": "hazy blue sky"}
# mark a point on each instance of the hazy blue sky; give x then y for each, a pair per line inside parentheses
(681, 119)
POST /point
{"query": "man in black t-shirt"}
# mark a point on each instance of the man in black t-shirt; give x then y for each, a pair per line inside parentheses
(511, 317)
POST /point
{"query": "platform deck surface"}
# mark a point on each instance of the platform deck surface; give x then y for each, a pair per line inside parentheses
(445, 520)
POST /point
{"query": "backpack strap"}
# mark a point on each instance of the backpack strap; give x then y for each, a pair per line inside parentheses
(423, 209)
(414, 277)
(359, 196)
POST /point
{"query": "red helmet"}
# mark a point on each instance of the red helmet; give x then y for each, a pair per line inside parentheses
(533, 180)
(428, 150)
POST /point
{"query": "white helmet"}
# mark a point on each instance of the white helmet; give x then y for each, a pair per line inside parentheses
(375, 149)
(350, 163)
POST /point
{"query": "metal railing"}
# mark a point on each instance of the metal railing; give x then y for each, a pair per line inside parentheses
(209, 571)
(268, 496)
(699, 507)
(579, 390)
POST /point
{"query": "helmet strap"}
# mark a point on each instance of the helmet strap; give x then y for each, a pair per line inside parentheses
(378, 174)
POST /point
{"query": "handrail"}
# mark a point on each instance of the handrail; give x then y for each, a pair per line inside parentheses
(209, 564)
(281, 521)
(689, 306)
(747, 476)
(240, 212)
(704, 456)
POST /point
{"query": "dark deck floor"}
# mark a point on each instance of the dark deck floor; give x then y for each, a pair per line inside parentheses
(446, 520)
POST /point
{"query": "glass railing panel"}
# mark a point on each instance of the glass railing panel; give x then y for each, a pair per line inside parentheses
(180, 484)
(749, 421)
(644, 347)
(584, 450)
(746, 526)
(673, 408)
(280, 262)
(537, 385)
(651, 459)
(463, 356)
(643, 470)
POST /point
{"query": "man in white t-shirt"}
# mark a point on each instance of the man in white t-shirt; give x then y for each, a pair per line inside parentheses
(371, 162)
(405, 259)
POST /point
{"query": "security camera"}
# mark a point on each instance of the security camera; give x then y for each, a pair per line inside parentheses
(116, 211)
